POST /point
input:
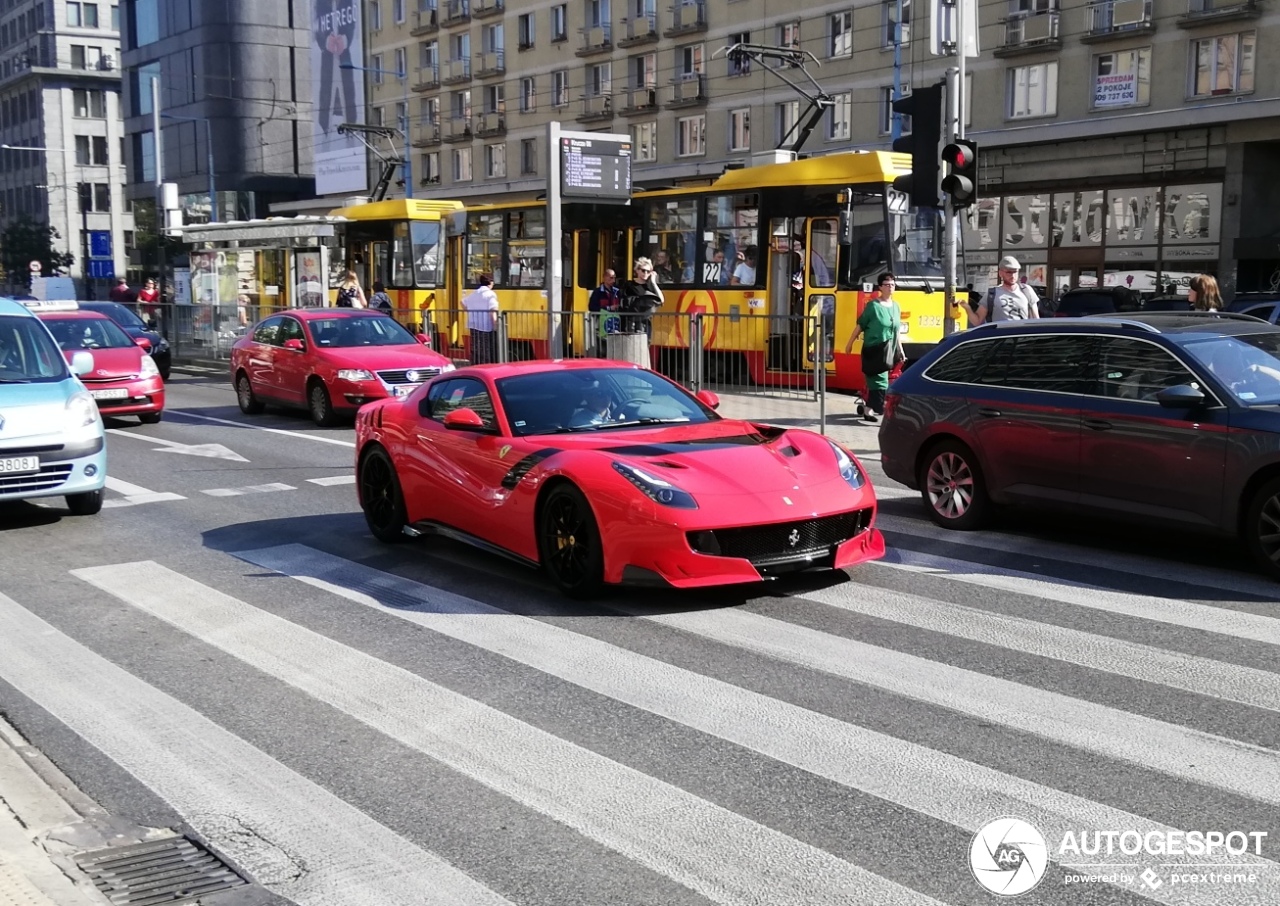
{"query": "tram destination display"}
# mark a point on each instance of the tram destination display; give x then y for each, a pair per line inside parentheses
(595, 169)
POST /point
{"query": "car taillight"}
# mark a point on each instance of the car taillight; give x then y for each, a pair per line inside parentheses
(890, 403)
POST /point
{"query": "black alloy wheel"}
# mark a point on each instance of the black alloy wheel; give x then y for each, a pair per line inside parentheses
(569, 543)
(1262, 528)
(249, 402)
(381, 497)
(320, 405)
(87, 504)
(953, 488)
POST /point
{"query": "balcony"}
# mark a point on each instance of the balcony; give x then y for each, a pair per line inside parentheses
(431, 179)
(491, 125)
(595, 41)
(1029, 33)
(1205, 12)
(426, 136)
(640, 100)
(427, 22)
(643, 30)
(485, 9)
(490, 63)
(687, 19)
(428, 78)
(596, 108)
(456, 12)
(458, 129)
(456, 71)
(1108, 19)
(687, 91)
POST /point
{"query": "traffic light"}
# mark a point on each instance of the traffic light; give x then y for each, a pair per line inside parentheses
(924, 106)
(961, 181)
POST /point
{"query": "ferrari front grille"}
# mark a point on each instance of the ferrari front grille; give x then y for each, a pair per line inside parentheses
(781, 541)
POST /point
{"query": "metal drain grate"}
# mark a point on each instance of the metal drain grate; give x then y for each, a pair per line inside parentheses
(163, 871)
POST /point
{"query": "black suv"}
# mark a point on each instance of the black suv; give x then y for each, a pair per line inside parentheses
(136, 328)
(1172, 418)
(1098, 300)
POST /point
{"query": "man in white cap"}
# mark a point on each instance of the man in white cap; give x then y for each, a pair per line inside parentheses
(1007, 301)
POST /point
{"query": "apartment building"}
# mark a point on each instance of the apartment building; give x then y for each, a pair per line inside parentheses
(1123, 140)
(60, 94)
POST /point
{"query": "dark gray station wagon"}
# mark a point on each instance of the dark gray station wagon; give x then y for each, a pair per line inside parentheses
(1169, 418)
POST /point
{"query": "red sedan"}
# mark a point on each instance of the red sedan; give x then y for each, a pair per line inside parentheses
(604, 473)
(329, 360)
(125, 379)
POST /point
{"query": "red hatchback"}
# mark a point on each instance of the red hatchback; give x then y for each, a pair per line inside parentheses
(329, 360)
(125, 379)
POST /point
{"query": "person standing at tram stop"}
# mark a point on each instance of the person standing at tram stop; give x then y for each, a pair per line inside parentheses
(1203, 293)
(880, 326)
(1008, 300)
(350, 293)
(604, 303)
(481, 306)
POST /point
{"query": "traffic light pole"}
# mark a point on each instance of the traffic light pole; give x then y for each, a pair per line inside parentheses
(954, 130)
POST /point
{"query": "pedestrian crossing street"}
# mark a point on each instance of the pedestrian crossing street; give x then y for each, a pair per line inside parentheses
(390, 737)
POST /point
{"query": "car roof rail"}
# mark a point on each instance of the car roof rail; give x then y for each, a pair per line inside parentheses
(1121, 319)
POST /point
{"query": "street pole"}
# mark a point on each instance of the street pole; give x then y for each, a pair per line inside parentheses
(158, 139)
(81, 189)
(407, 170)
(949, 241)
(213, 192)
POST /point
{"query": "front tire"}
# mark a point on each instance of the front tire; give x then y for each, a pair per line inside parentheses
(87, 504)
(569, 543)
(150, 418)
(1262, 528)
(381, 497)
(320, 405)
(953, 487)
(248, 400)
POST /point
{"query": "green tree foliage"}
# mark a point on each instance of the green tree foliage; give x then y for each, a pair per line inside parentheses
(26, 240)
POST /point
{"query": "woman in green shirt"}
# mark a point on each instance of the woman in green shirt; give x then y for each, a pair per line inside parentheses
(879, 324)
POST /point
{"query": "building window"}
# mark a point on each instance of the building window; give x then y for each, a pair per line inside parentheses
(462, 165)
(495, 99)
(101, 197)
(90, 103)
(644, 142)
(644, 71)
(525, 30)
(528, 157)
(428, 55)
(739, 64)
(891, 21)
(600, 80)
(559, 23)
(1122, 79)
(560, 89)
(430, 167)
(375, 15)
(397, 11)
(495, 161)
(689, 60)
(430, 111)
(841, 38)
(115, 18)
(101, 158)
(402, 63)
(1033, 90)
(740, 129)
(691, 136)
(840, 118)
(90, 15)
(597, 13)
(1223, 65)
(376, 117)
(82, 150)
(461, 109)
(528, 94)
(788, 116)
(886, 111)
(375, 64)
(493, 39)
(789, 35)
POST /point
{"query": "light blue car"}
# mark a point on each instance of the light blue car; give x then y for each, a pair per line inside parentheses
(52, 442)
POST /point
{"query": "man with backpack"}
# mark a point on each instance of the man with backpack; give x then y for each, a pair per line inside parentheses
(1009, 300)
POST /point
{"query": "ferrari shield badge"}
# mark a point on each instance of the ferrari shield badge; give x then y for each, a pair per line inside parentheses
(506, 448)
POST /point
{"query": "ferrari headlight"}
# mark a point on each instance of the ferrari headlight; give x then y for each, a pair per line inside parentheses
(149, 367)
(656, 489)
(354, 374)
(848, 467)
(81, 411)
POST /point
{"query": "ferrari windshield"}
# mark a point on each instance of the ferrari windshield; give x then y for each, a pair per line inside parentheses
(359, 330)
(593, 399)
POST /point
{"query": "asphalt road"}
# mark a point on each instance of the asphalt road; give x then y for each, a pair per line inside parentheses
(225, 650)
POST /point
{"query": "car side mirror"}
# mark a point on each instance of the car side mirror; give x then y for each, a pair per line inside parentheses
(707, 398)
(424, 339)
(464, 420)
(1182, 396)
(295, 345)
(143, 342)
(81, 363)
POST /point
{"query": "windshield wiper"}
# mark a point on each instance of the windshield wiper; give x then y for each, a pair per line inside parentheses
(15, 381)
(633, 422)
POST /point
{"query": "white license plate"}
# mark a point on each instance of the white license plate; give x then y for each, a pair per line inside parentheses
(19, 465)
(404, 389)
(117, 394)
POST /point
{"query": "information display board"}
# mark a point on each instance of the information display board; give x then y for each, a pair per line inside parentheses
(595, 169)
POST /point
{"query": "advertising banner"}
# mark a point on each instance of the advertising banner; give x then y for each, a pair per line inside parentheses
(1118, 89)
(337, 41)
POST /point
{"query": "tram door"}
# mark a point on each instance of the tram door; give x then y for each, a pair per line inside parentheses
(814, 284)
(445, 314)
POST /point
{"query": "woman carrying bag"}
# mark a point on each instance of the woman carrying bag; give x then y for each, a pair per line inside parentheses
(350, 295)
(880, 326)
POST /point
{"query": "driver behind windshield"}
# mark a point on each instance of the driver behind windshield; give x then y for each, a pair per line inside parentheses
(596, 409)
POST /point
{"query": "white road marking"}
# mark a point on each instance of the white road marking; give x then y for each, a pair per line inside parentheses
(249, 489)
(333, 480)
(924, 780)
(135, 494)
(721, 855)
(209, 451)
(226, 421)
(292, 835)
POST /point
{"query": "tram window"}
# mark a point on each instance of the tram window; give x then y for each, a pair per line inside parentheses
(526, 248)
(869, 253)
(484, 249)
(527, 225)
(824, 246)
(671, 241)
(401, 257)
(734, 224)
(378, 270)
(917, 243)
(427, 255)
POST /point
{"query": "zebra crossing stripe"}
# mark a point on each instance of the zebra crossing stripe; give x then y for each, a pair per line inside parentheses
(259, 811)
(915, 777)
(250, 489)
(717, 853)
